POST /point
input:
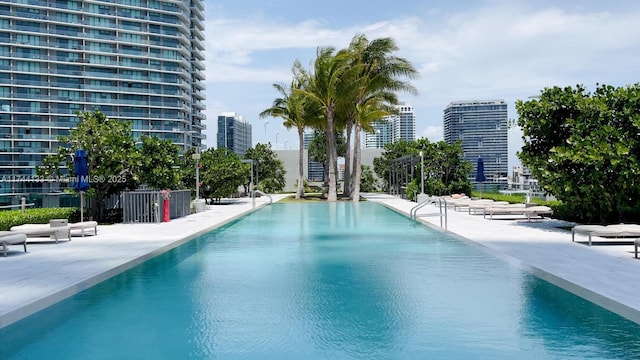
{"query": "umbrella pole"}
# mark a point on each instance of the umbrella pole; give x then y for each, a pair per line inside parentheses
(81, 206)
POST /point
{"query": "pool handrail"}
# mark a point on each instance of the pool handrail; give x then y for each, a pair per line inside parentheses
(263, 194)
(414, 210)
(432, 199)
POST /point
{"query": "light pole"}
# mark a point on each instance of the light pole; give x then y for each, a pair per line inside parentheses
(277, 140)
(265, 128)
(196, 157)
(421, 172)
(285, 144)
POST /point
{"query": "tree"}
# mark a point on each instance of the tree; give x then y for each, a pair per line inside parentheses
(323, 88)
(157, 163)
(318, 151)
(584, 149)
(368, 182)
(297, 111)
(445, 170)
(222, 173)
(270, 170)
(392, 151)
(379, 75)
(109, 146)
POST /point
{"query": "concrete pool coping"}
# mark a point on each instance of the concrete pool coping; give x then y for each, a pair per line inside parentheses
(50, 272)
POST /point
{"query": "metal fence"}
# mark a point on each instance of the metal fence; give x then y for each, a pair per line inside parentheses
(147, 206)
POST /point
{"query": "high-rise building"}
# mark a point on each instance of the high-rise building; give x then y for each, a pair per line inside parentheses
(481, 125)
(135, 60)
(234, 133)
(315, 170)
(392, 128)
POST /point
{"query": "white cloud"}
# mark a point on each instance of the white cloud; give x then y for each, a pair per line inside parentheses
(433, 133)
(510, 52)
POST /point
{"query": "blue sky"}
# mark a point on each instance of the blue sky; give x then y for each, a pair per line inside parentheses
(464, 50)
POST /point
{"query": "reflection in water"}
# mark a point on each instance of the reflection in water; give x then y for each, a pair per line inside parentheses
(557, 317)
(323, 281)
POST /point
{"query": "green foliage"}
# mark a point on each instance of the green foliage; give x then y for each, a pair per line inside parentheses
(584, 149)
(511, 198)
(412, 190)
(9, 218)
(110, 156)
(318, 147)
(270, 170)
(392, 151)
(155, 163)
(222, 172)
(445, 171)
(368, 182)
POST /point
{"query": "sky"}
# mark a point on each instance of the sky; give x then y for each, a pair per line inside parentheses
(463, 50)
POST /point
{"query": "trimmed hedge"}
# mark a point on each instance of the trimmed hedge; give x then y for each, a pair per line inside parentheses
(11, 218)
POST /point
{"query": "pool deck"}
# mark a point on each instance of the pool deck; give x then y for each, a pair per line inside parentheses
(604, 274)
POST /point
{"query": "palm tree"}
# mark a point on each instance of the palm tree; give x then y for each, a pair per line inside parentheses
(296, 111)
(379, 78)
(373, 109)
(323, 88)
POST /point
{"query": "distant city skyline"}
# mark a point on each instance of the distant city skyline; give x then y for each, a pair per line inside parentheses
(481, 125)
(392, 128)
(464, 50)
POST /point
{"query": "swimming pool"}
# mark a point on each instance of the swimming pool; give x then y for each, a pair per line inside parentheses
(323, 281)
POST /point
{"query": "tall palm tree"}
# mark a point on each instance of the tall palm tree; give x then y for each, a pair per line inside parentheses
(374, 108)
(380, 76)
(323, 88)
(296, 111)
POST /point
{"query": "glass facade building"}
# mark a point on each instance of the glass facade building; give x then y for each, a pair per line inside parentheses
(140, 61)
(234, 133)
(482, 127)
(392, 128)
(315, 170)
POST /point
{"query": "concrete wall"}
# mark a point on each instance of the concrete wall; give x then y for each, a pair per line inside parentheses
(290, 160)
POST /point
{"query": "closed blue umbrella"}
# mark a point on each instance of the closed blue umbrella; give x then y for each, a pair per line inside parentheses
(81, 181)
(480, 171)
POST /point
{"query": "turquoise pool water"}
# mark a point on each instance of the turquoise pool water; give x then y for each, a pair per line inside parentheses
(323, 281)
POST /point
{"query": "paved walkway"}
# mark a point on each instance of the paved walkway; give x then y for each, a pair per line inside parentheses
(50, 272)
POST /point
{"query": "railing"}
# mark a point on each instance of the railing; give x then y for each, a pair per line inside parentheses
(147, 206)
(263, 194)
(440, 202)
(420, 205)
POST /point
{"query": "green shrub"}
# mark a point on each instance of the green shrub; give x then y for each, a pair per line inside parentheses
(11, 218)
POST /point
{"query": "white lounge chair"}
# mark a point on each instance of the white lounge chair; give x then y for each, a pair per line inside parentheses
(629, 231)
(519, 209)
(85, 225)
(11, 238)
(36, 230)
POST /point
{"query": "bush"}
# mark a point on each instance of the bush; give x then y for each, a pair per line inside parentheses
(11, 218)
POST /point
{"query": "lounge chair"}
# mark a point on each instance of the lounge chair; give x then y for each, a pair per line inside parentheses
(620, 231)
(519, 209)
(11, 238)
(56, 230)
(85, 225)
(478, 207)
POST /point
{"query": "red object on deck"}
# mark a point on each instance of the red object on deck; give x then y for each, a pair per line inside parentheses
(165, 214)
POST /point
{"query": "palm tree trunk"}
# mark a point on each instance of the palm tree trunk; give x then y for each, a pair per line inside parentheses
(347, 162)
(332, 156)
(357, 169)
(300, 189)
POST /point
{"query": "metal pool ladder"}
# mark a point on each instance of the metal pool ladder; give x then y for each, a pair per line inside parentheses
(439, 202)
(263, 194)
